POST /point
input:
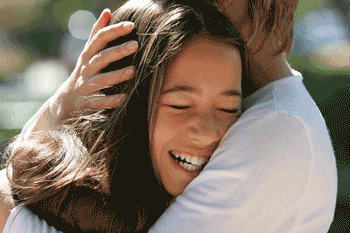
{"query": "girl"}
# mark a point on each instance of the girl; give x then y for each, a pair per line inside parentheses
(98, 172)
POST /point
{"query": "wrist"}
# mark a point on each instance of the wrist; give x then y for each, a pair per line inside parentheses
(46, 120)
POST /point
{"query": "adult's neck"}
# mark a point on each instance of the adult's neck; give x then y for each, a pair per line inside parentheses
(262, 70)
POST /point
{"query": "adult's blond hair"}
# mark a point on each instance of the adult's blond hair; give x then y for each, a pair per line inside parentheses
(272, 20)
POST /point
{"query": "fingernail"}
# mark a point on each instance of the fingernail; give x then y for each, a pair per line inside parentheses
(103, 14)
(131, 45)
(128, 25)
(129, 71)
(106, 20)
(123, 98)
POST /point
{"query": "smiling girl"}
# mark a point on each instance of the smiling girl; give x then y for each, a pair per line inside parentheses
(95, 173)
(199, 102)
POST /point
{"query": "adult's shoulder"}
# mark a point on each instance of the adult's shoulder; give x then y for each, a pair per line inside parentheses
(256, 179)
(6, 201)
(265, 153)
(271, 132)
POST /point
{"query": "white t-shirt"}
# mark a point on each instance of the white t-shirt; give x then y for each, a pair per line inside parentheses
(274, 171)
(22, 220)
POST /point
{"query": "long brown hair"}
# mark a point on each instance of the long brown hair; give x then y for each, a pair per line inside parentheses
(95, 174)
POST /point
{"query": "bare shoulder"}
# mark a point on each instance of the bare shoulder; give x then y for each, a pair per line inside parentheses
(6, 201)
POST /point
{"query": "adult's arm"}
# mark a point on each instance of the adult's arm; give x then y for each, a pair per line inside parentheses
(81, 90)
(256, 181)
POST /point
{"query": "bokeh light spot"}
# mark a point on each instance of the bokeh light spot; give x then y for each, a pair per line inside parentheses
(80, 24)
(42, 79)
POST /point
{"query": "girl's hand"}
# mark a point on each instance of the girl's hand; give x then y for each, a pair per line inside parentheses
(81, 90)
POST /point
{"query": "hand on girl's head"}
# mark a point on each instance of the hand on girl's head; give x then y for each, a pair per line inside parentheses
(82, 89)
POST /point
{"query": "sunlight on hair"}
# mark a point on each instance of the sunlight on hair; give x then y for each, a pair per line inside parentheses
(139, 2)
(80, 24)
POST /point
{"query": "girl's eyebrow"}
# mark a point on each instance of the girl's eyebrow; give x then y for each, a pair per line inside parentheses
(229, 93)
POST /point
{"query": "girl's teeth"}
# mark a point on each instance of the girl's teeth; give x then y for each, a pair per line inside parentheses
(190, 167)
(190, 159)
(194, 161)
(186, 166)
(182, 156)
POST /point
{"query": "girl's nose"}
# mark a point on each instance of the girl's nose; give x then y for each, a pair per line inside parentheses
(203, 130)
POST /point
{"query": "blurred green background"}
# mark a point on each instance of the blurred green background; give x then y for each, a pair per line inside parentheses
(40, 41)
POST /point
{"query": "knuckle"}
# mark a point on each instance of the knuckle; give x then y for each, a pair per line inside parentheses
(96, 59)
(79, 84)
(84, 54)
(99, 57)
(83, 70)
(102, 34)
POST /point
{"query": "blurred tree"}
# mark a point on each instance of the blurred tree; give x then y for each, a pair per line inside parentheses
(342, 5)
(19, 13)
(304, 6)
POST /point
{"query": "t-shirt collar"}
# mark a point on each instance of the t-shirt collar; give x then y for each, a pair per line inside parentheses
(251, 99)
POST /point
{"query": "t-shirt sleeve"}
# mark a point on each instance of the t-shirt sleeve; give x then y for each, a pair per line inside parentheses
(254, 182)
(22, 220)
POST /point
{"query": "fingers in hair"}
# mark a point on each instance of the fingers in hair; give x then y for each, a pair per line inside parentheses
(103, 36)
(111, 78)
(100, 101)
(107, 56)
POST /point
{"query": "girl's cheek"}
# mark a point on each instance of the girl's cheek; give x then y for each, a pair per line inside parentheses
(166, 125)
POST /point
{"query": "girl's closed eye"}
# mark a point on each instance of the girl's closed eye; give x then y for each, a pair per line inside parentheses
(231, 111)
(184, 107)
(176, 101)
(178, 107)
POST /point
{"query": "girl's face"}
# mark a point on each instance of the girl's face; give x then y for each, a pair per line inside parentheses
(200, 100)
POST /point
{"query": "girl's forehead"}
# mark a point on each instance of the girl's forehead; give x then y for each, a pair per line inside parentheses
(204, 63)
